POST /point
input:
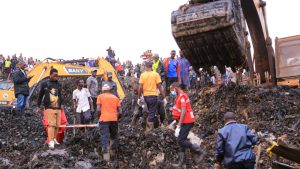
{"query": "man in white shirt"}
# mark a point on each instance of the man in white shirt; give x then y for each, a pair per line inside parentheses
(83, 103)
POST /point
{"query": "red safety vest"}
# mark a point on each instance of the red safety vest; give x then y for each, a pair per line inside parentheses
(183, 100)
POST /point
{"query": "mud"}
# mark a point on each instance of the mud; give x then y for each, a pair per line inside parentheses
(22, 138)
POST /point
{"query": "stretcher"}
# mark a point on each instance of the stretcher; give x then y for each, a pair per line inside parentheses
(79, 126)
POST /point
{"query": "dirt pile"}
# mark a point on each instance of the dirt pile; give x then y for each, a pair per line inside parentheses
(22, 138)
(272, 111)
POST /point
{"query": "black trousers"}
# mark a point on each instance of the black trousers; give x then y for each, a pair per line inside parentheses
(242, 165)
(182, 137)
(94, 114)
(109, 131)
(152, 103)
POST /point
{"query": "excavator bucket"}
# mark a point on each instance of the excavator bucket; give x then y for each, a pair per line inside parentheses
(211, 33)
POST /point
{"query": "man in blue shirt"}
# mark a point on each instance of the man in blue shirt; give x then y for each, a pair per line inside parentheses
(184, 71)
(172, 70)
(234, 145)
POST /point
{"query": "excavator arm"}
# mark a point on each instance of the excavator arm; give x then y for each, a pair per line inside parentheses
(264, 58)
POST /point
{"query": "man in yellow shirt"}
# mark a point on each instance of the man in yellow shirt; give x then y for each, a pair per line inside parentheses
(149, 84)
(7, 65)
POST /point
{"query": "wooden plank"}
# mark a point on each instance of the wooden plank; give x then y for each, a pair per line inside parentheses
(289, 82)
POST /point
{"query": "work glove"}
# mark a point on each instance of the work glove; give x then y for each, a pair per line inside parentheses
(139, 102)
(177, 130)
(165, 102)
(98, 124)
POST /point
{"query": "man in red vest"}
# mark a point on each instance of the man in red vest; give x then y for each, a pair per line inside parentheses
(182, 112)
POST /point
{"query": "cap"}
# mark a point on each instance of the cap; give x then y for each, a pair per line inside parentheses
(105, 87)
(156, 55)
(94, 69)
(109, 74)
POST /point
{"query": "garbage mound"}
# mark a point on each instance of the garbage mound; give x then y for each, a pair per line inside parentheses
(269, 111)
(272, 112)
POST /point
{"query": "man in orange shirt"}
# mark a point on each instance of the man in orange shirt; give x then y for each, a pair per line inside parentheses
(108, 106)
(150, 83)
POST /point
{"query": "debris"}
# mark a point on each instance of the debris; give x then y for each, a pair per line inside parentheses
(23, 137)
(58, 152)
(83, 165)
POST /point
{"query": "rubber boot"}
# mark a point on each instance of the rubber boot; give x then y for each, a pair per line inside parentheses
(180, 160)
(198, 153)
(149, 126)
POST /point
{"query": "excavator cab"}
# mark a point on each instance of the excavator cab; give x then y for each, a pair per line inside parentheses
(7, 96)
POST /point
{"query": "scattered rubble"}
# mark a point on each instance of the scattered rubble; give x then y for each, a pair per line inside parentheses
(270, 112)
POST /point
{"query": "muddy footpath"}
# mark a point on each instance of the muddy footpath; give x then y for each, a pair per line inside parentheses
(272, 112)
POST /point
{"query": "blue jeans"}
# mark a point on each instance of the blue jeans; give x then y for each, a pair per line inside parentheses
(21, 102)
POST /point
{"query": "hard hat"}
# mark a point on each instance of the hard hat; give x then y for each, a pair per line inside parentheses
(106, 87)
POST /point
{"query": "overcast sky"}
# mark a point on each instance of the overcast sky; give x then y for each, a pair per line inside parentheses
(71, 29)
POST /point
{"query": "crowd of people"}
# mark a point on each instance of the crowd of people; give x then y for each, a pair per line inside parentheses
(9, 64)
(160, 82)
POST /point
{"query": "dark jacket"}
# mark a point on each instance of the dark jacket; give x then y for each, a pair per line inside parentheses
(45, 94)
(20, 83)
(161, 70)
(234, 143)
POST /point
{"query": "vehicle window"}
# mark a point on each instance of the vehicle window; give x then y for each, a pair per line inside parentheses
(5, 85)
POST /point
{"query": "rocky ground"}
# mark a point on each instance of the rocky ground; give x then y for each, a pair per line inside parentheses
(272, 111)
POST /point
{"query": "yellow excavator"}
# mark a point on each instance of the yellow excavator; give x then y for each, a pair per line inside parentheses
(65, 69)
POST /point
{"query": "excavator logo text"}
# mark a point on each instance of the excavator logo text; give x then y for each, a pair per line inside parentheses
(72, 70)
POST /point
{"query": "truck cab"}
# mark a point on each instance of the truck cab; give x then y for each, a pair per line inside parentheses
(287, 60)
